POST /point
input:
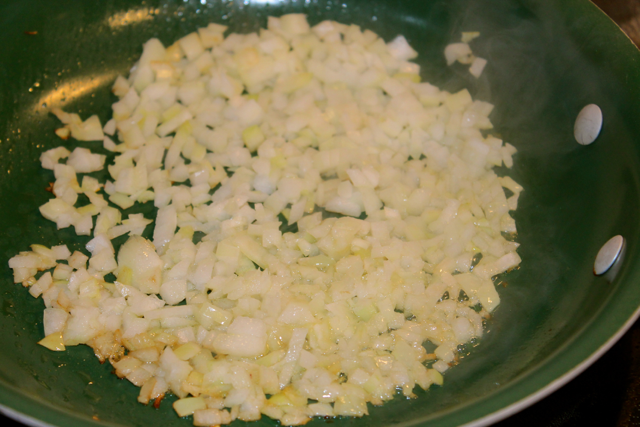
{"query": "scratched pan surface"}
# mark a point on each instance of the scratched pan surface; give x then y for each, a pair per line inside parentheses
(547, 59)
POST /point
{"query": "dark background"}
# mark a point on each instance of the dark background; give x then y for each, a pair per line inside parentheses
(607, 393)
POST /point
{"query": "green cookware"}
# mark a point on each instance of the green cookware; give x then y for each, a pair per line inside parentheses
(547, 59)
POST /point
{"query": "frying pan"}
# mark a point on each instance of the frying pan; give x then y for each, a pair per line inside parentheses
(547, 59)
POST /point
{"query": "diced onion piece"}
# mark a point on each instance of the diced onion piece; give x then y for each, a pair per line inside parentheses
(89, 130)
(477, 66)
(191, 46)
(400, 49)
(50, 158)
(84, 161)
(139, 255)
(460, 52)
(469, 35)
(294, 24)
(53, 342)
(189, 405)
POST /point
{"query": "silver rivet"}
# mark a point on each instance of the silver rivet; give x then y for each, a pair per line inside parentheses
(608, 255)
(588, 124)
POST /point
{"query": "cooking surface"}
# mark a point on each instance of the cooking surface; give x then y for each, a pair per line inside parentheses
(608, 393)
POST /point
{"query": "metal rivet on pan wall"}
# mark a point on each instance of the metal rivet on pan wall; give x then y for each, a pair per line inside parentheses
(608, 255)
(588, 124)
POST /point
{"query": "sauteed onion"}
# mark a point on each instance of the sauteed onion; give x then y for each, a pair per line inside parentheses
(323, 217)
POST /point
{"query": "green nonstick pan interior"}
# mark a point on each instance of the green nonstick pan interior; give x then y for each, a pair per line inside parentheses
(547, 59)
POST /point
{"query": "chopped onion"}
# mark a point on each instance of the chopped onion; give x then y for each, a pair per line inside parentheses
(252, 297)
(477, 66)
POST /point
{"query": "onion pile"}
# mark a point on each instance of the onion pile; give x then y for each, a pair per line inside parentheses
(321, 214)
